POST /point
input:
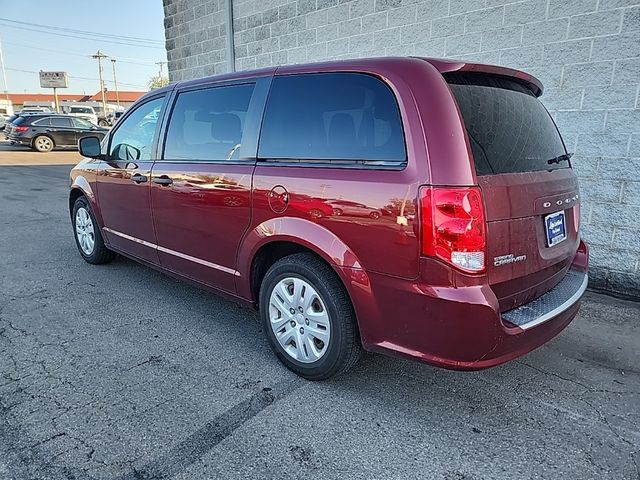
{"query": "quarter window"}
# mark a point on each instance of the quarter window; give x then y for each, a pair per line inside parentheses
(133, 140)
(332, 117)
(208, 124)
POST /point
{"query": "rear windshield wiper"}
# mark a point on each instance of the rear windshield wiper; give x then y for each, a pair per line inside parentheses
(560, 158)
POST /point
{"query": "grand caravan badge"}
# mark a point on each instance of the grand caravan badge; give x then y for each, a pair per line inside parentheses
(507, 259)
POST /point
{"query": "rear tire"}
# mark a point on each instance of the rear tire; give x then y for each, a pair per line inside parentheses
(302, 293)
(87, 234)
(43, 144)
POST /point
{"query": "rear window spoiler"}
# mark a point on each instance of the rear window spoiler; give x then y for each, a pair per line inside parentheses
(450, 66)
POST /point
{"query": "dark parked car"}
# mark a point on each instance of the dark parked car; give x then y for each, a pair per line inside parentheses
(44, 132)
(472, 256)
(7, 122)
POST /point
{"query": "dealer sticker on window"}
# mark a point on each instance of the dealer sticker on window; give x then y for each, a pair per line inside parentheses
(555, 227)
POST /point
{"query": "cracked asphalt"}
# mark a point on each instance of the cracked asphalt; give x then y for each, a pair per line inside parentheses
(119, 372)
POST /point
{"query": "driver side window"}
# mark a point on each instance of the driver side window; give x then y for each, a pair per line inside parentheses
(133, 140)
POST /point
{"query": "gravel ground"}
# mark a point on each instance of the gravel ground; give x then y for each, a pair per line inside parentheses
(120, 372)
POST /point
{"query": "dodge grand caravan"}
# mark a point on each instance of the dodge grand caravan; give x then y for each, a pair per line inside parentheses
(417, 207)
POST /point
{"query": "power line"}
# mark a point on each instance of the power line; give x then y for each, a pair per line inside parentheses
(133, 61)
(79, 78)
(44, 49)
(99, 39)
(84, 32)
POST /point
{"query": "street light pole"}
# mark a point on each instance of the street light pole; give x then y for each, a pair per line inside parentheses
(115, 82)
(99, 55)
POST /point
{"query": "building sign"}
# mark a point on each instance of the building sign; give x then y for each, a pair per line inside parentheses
(53, 79)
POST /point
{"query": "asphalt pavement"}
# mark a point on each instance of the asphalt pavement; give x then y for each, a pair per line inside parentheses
(119, 372)
(19, 155)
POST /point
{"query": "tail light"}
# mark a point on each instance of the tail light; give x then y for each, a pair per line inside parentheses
(21, 128)
(453, 226)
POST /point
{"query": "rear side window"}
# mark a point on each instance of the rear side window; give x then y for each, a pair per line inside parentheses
(509, 129)
(332, 117)
(43, 122)
(207, 124)
(60, 122)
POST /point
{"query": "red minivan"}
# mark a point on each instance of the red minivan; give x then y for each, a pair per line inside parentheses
(412, 206)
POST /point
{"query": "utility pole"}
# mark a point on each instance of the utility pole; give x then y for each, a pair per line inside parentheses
(99, 56)
(161, 64)
(115, 82)
(55, 96)
(4, 73)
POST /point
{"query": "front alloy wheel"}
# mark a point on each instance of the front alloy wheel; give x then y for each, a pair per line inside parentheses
(85, 232)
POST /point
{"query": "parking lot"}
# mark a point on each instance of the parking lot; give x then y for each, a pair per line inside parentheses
(20, 155)
(120, 372)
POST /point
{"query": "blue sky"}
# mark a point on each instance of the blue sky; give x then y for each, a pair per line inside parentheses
(30, 51)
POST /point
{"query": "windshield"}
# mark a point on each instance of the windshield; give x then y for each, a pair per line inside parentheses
(509, 129)
(81, 110)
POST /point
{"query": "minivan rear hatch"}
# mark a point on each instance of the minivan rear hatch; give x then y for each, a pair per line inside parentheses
(529, 190)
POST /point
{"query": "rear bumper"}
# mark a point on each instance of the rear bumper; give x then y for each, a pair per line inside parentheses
(19, 139)
(462, 328)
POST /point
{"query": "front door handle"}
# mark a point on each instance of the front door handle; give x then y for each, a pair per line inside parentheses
(162, 180)
(139, 178)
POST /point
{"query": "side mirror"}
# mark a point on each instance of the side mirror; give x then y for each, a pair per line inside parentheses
(90, 147)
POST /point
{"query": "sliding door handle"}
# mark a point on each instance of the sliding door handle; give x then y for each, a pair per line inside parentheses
(162, 180)
(139, 178)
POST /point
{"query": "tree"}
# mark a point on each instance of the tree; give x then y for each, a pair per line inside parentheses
(157, 82)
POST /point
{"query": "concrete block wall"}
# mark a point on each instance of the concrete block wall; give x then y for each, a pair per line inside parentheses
(586, 52)
(195, 32)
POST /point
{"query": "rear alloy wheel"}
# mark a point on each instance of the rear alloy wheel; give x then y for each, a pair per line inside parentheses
(87, 234)
(308, 317)
(42, 143)
(299, 320)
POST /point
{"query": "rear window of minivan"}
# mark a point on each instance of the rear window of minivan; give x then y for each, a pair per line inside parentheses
(332, 117)
(509, 129)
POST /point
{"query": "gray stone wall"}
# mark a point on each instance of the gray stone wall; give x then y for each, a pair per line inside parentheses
(196, 38)
(586, 52)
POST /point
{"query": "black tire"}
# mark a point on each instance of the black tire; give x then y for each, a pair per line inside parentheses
(100, 253)
(43, 143)
(344, 347)
(103, 123)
